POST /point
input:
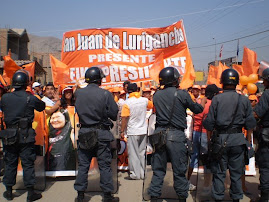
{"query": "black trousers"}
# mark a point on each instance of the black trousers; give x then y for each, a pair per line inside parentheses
(232, 159)
(262, 158)
(27, 154)
(176, 150)
(104, 159)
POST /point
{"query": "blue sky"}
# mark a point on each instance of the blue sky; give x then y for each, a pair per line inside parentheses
(204, 20)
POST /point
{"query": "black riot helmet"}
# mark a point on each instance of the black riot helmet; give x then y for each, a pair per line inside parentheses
(169, 76)
(229, 77)
(94, 75)
(265, 74)
(20, 79)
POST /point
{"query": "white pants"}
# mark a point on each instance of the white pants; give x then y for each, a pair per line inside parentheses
(136, 155)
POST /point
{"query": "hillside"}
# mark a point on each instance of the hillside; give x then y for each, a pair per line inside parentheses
(40, 44)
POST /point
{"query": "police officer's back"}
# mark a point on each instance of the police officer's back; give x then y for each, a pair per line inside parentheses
(165, 101)
(261, 111)
(18, 108)
(229, 135)
(95, 108)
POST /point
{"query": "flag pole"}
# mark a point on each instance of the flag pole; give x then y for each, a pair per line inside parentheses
(237, 52)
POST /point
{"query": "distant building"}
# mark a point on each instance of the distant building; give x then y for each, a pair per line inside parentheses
(16, 40)
(45, 58)
(228, 62)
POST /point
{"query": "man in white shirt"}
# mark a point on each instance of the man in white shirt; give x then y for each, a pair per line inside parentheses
(51, 99)
(134, 120)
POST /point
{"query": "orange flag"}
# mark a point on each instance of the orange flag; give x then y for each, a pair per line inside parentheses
(2, 80)
(31, 69)
(221, 68)
(212, 75)
(239, 69)
(189, 75)
(249, 63)
(157, 66)
(10, 67)
(60, 71)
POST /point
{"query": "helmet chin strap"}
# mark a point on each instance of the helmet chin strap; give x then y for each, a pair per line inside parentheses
(229, 87)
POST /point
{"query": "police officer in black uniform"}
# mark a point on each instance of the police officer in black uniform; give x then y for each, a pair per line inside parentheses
(229, 136)
(175, 146)
(262, 156)
(18, 108)
(95, 107)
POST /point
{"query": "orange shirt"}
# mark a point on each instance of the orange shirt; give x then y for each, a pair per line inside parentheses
(198, 118)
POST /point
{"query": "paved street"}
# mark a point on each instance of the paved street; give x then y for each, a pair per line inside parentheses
(61, 189)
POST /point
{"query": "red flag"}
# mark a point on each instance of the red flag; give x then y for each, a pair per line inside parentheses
(249, 63)
(60, 71)
(220, 53)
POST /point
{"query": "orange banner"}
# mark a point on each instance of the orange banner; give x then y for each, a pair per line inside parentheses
(128, 53)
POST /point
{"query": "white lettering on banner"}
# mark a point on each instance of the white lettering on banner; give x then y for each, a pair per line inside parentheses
(112, 41)
(116, 57)
(90, 42)
(72, 73)
(69, 44)
(178, 62)
(143, 41)
(116, 73)
(123, 73)
(133, 73)
(150, 42)
(116, 41)
(77, 72)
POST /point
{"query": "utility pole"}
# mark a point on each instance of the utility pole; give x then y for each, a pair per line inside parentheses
(215, 51)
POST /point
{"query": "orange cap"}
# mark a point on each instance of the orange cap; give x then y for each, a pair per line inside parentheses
(203, 86)
(122, 92)
(116, 90)
(146, 90)
(196, 86)
(253, 97)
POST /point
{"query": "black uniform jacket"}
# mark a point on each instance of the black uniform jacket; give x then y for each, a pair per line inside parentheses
(94, 106)
(221, 112)
(163, 102)
(14, 106)
(262, 109)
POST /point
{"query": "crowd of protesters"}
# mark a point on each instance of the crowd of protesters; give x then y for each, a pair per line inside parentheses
(135, 106)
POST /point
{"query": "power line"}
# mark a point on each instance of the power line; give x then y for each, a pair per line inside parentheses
(162, 18)
(216, 17)
(204, 14)
(230, 40)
